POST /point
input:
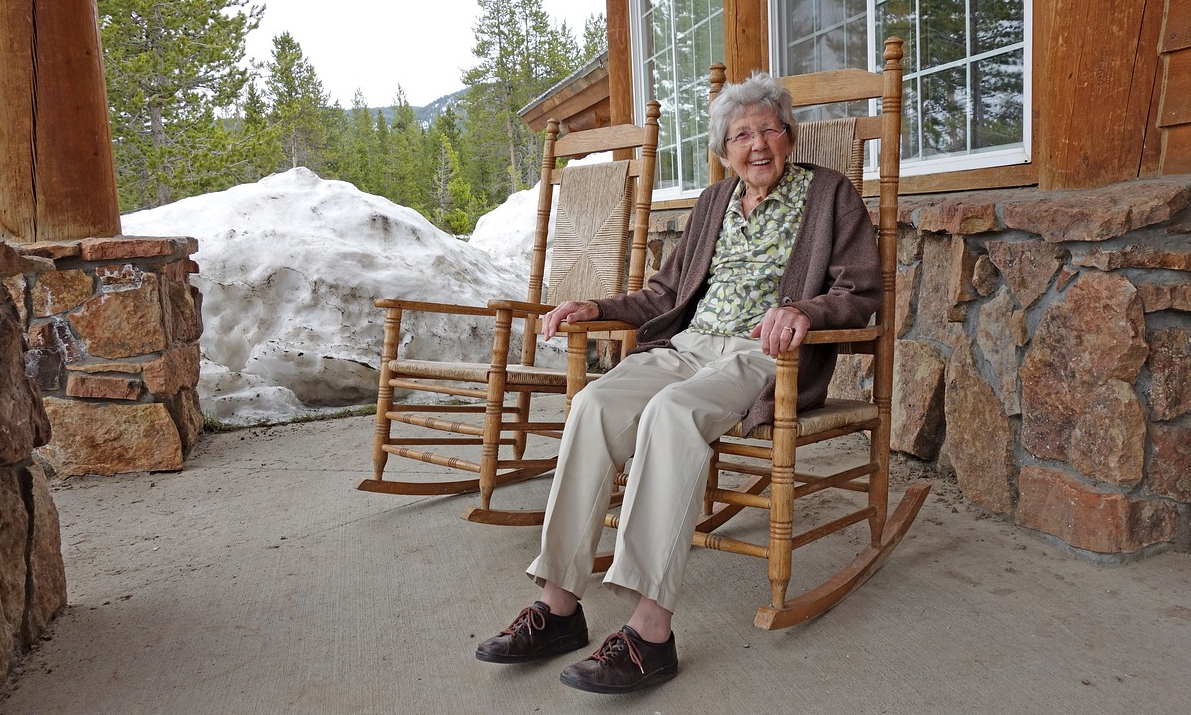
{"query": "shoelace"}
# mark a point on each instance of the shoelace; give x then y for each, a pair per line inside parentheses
(530, 619)
(613, 645)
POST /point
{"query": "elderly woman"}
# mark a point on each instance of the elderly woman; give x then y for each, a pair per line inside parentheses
(783, 249)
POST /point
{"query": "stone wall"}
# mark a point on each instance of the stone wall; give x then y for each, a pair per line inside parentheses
(1044, 355)
(32, 579)
(113, 333)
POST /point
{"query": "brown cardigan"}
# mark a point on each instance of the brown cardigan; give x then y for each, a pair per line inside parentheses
(833, 276)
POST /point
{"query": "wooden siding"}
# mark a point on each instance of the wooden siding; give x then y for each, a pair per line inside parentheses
(1093, 83)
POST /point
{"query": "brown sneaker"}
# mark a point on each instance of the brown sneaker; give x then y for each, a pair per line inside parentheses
(625, 662)
(534, 634)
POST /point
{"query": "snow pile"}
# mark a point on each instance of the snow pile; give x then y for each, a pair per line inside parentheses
(506, 232)
(290, 266)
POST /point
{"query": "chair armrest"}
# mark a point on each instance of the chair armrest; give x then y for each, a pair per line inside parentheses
(425, 307)
(591, 326)
(854, 335)
(521, 306)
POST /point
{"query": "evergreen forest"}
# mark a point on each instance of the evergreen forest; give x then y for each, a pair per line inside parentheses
(189, 115)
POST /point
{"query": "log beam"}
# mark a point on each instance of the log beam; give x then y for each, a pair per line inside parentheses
(57, 176)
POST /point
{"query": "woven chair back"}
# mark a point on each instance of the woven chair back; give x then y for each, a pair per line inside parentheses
(831, 143)
(591, 236)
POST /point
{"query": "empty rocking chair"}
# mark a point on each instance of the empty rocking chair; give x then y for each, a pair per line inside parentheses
(590, 247)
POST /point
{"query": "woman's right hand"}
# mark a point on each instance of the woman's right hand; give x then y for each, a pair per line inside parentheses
(572, 311)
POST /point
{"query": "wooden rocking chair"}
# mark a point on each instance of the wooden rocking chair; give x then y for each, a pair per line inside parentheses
(589, 252)
(836, 418)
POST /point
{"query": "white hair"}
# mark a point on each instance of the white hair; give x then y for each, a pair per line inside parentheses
(758, 89)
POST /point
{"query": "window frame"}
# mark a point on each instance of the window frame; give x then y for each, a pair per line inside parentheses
(641, 96)
(1009, 156)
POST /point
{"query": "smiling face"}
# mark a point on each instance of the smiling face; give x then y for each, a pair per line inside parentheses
(757, 160)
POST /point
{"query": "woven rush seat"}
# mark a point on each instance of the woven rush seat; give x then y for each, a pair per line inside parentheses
(478, 372)
(833, 414)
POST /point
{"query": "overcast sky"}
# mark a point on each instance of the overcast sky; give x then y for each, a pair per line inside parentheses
(374, 45)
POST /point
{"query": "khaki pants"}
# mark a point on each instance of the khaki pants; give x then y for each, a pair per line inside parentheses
(663, 408)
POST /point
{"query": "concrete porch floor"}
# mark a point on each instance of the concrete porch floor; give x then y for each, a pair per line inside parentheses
(258, 581)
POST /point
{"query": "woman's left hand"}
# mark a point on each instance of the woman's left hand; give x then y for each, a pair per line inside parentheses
(782, 329)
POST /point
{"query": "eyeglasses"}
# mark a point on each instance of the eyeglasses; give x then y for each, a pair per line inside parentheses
(746, 137)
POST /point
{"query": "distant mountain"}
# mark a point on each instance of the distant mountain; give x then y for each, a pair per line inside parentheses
(426, 115)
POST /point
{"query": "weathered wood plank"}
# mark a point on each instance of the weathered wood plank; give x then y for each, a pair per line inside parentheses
(836, 86)
(16, 122)
(75, 174)
(1177, 32)
(622, 136)
(1176, 150)
(1092, 83)
(997, 177)
(1176, 94)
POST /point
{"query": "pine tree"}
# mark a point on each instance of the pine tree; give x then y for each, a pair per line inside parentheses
(259, 136)
(595, 36)
(359, 161)
(412, 157)
(172, 69)
(520, 56)
(382, 155)
(299, 104)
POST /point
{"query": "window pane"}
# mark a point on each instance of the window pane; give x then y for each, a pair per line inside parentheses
(659, 21)
(852, 8)
(997, 89)
(684, 57)
(716, 32)
(801, 59)
(856, 44)
(700, 110)
(831, 12)
(684, 15)
(686, 37)
(702, 53)
(910, 127)
(691, 157)
(686, 111)
(944, 112)
(667, 177)
(943, 29)
(896, 18)
(800, 18)
(831, 50)
(996, 23)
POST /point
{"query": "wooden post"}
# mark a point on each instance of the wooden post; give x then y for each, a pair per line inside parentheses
(1092, 108)
(746, 37)
(57, 177)
(620, 71)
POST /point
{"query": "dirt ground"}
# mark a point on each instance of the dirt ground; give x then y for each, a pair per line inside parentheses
(260, 580)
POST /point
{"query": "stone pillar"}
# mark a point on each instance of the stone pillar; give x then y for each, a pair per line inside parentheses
(32, 578)
(113, 334)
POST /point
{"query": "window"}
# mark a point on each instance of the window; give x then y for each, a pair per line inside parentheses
(676, 41)
(966, 91)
